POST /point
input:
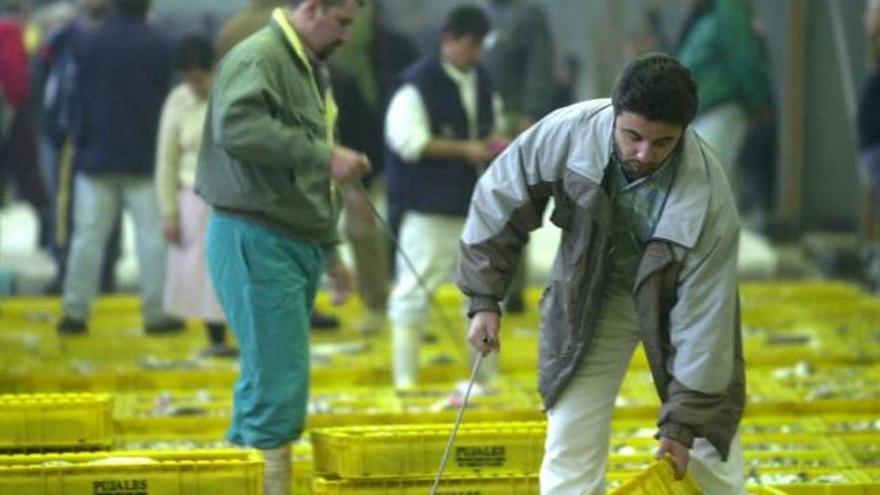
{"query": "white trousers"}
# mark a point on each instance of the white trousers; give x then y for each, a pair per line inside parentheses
(579, 424)
(431, 244)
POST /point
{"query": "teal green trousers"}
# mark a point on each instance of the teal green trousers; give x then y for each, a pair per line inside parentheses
(266, 283)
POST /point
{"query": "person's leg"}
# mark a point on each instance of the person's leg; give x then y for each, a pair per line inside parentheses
(63, 215)
(424, 241)
(724, 128)
(63, 230)
(217, 346)
(48, 160)
(266, 284)
(140, 198)
(188, 292)
(97, 202)
(25, 171)
(112, 253)
(278, 471)
(216, 332)
(717, 477)
(369, 248)
(579, 424)
(870, 172)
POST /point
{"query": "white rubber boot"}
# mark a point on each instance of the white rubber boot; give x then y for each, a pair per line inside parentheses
(405, 343)
(276, 480)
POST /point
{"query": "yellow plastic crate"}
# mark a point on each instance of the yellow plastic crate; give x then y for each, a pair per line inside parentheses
(864, 450)
(658, 479)
(851, 424)
(782, 424)
(827, 456)
(228, 472)
(475, 485)
(41, 422)
(766, 490)
(799, 292)
(635, 453)
(381, 406)
(116, 379)
(813, 481)
(415, 451)
(873, 475)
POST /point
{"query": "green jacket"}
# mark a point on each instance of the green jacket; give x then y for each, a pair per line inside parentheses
(725, 58)
(268, 138)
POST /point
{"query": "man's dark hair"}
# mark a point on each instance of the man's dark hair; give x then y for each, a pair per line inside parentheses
(196, 52)
(657, 87)
(138, 8)
(467, 20)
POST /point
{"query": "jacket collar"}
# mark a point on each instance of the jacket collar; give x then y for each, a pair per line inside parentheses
(681, 221)
(280, 21)
(325, 100)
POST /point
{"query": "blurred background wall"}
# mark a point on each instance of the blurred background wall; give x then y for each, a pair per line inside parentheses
(817, 49)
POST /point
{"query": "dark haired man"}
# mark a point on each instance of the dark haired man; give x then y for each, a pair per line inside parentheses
(271, 169)
(648, 253)
(437, 129)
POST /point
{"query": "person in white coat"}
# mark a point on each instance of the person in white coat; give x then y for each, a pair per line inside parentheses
(188, 289)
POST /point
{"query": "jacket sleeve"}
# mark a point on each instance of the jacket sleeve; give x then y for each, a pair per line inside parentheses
(246, 108)
(508, 203)
(704, 326)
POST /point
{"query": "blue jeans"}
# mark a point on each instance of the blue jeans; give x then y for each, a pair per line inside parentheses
(98, 201)
(266, 283)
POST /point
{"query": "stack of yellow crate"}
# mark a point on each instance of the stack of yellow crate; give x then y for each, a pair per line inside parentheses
(232, 472)
(60, 443)
(812, 348)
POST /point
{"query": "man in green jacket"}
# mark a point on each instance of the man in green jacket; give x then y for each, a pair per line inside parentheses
(271, 170)
(243, 24)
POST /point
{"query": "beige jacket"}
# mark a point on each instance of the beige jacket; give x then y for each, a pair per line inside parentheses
(686, 289)
(177, 152)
